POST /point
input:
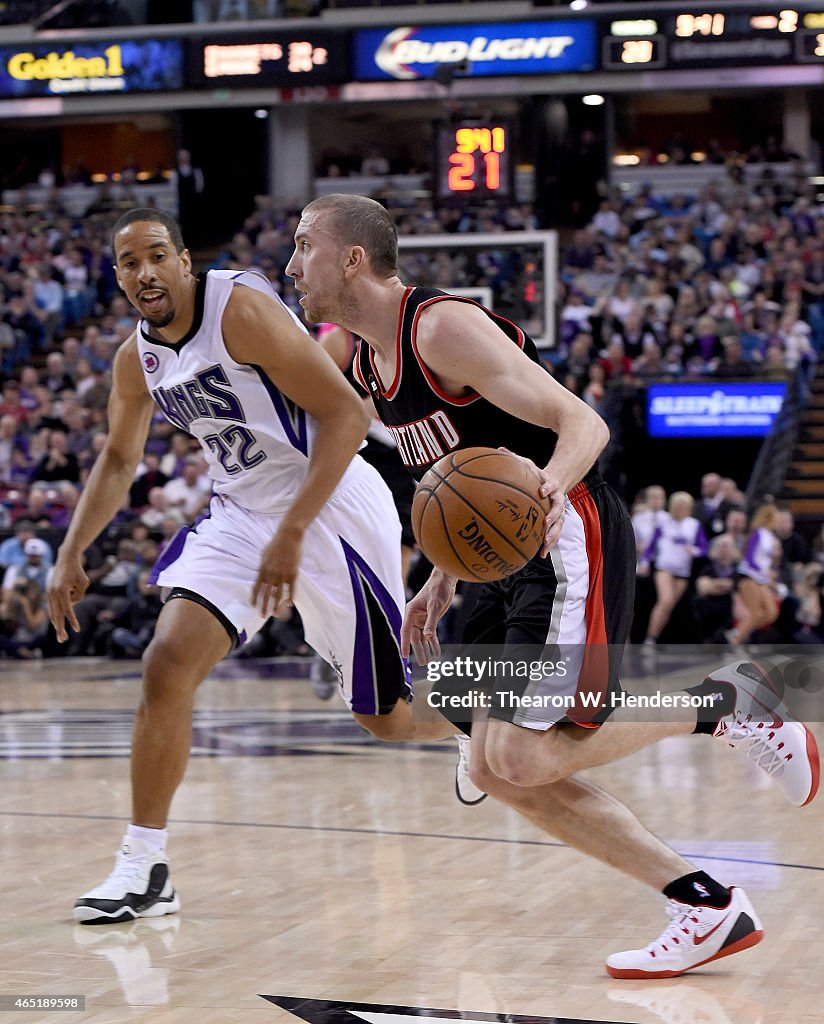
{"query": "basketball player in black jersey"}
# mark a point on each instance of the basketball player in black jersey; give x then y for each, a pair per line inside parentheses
(445, 373)
(381, 452)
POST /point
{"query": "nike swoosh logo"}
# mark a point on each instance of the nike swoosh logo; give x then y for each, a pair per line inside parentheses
(704, 938)
(778, 721)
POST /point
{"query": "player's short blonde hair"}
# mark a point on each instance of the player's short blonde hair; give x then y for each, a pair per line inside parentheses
(359, 220)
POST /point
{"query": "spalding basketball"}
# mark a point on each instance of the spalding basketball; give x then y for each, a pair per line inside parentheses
(477, 514)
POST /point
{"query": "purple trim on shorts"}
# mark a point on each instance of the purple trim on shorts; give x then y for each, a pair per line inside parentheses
(294, 425)
(365, 699)
(174, 549)
(171, 553)
(205, 514)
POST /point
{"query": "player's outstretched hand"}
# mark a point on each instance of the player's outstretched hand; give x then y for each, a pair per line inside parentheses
(551, 490)
(423, 613)
(67, 585)
(274, 589)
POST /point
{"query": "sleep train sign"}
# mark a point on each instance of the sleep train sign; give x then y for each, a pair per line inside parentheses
(138, 65)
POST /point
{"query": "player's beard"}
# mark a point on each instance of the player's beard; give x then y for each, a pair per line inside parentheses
(338, 308)
(334, 306)
(162, 320)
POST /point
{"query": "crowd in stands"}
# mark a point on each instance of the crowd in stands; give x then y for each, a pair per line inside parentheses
(722, 285)
(714, 285)
(709, 574)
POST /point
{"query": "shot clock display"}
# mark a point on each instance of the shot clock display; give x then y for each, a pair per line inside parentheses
(474, 160)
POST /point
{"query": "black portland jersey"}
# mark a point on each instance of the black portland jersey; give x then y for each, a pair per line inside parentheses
(425, 422)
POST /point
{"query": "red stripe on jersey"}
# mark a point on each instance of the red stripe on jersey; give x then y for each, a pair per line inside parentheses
(595, 664)
(473, 395)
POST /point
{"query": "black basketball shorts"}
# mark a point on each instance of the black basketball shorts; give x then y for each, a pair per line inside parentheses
(556, 630)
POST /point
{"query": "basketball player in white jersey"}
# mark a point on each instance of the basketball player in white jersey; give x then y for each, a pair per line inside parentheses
(427, 356)
(296, 517)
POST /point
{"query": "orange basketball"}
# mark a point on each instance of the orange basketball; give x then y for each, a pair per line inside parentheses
(477, 514)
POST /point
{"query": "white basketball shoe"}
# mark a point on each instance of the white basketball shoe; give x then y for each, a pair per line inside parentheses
(465, 789)
(139, 886)
(762, 727)
(694, 936)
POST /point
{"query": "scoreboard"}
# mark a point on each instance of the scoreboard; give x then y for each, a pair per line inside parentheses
(712, 36)
(259, 60)
(459, 56)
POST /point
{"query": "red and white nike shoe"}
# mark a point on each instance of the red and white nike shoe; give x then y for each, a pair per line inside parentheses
(694, 936)
(761, 726)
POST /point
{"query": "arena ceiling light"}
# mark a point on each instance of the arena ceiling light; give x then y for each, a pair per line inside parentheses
(579, 5)
(593, 99)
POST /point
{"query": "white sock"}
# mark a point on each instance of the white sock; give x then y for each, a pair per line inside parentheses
(153, 837)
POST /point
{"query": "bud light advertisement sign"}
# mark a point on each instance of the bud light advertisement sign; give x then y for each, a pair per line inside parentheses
(713, 410)
(501, 48)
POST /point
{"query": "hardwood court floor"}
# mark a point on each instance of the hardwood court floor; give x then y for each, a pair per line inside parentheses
(314, 862)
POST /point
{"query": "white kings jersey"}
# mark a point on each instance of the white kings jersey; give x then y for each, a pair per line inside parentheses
(256, 441)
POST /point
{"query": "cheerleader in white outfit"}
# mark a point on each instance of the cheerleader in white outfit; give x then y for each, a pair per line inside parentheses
(674, 545)
(651, 514)
(757, 604)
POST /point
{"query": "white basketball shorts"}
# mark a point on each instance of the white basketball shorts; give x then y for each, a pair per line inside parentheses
(349, 590)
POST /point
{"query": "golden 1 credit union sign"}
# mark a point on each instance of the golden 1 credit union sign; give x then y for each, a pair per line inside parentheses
(67, 72)
(123, 66)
